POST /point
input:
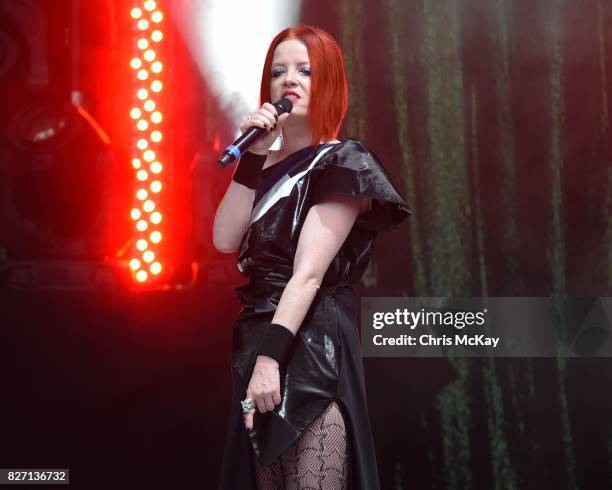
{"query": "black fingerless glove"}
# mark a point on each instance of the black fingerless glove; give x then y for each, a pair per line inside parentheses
(248, 170)
(276, 342)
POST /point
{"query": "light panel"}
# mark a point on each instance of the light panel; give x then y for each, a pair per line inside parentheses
(145, 60)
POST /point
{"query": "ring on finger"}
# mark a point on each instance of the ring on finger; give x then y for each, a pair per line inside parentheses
(247, 404)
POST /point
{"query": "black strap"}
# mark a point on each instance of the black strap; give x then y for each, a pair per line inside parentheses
(276, 342)
(248, 170)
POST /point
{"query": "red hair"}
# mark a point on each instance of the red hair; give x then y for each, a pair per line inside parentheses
(328, 88)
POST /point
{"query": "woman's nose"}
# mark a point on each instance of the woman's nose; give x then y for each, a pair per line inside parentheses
(290, 79)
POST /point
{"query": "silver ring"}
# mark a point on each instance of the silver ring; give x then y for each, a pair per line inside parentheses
(248, 404)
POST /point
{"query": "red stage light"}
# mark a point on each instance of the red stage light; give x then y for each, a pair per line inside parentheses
(156, 117)
(155, 237)
(142, 245)
(148, 206)
(156, 218)
(149, 156)
(149, 98)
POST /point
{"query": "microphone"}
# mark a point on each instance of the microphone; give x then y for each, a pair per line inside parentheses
(243, 143)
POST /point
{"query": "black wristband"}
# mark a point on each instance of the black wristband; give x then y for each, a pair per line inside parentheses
(276, 342)
(248, 170)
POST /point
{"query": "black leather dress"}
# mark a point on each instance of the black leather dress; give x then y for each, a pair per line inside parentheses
(325, 363)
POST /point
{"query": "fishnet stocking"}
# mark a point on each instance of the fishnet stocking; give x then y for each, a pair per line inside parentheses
(318, 460)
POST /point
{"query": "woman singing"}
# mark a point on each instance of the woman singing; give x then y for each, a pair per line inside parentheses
(303, 220)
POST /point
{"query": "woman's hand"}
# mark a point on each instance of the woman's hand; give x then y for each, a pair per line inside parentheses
(264, 387)
(265, 117)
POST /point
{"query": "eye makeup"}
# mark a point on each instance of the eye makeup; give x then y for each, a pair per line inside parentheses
(276, 72)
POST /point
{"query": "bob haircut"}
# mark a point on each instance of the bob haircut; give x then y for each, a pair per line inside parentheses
(328, 88)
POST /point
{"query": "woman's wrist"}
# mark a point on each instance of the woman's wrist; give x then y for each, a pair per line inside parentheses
(249, 168)
(276, 343)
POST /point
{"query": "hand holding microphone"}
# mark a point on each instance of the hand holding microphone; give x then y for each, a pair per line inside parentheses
(258, 131)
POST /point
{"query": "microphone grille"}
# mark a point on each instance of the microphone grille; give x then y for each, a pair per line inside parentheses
(283, 105)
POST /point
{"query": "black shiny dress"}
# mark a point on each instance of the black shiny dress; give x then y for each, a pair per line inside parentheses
(325, 363)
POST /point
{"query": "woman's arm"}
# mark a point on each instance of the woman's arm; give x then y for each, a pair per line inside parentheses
(232, 217)
(325, 229)
(234, 211)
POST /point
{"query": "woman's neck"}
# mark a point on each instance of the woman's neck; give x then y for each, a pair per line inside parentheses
(295, 137)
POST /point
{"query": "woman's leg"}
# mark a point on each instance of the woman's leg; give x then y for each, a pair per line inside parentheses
(320, 457)
(269, 477)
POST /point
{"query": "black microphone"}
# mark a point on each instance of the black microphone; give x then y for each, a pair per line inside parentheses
(243, 143)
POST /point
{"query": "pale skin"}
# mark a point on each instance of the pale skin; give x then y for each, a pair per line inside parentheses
(325, 228)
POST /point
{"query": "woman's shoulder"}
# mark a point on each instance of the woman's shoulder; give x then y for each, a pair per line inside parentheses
(350, 153)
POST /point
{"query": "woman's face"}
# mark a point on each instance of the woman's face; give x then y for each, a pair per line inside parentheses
(290, 75)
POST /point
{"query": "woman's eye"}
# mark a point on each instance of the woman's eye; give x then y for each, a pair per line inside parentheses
(279, 72)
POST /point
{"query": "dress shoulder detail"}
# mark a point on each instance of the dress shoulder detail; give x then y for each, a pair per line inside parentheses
(352, 169)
